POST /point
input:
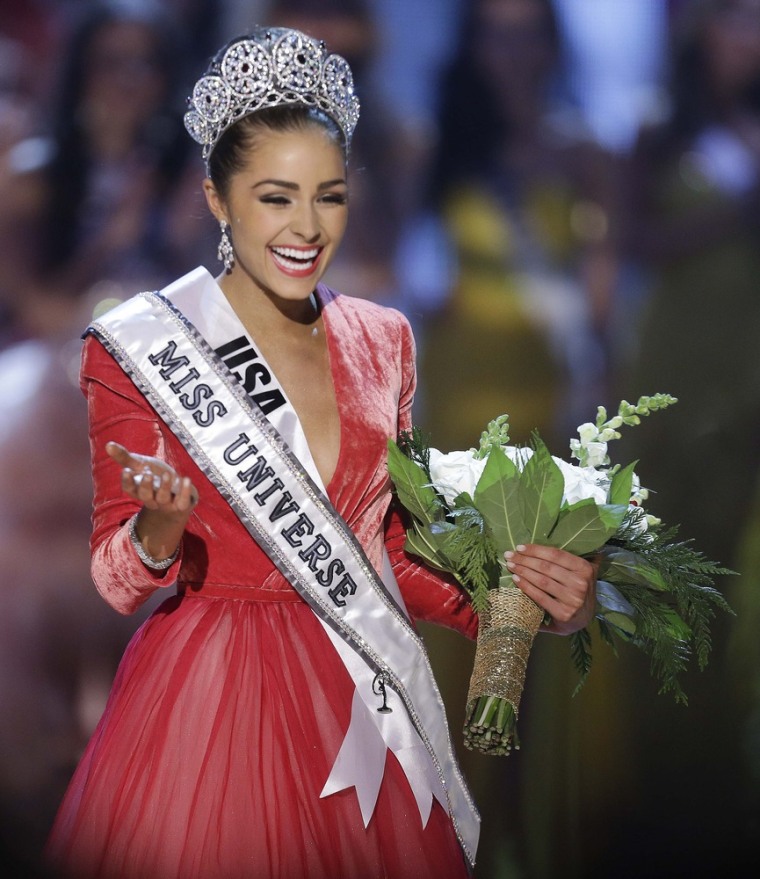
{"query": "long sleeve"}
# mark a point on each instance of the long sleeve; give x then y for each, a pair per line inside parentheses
(117, 411)
(429, 595)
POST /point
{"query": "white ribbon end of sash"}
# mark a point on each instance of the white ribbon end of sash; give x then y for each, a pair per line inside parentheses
(361, 760)
(422, 778)
(361, 763)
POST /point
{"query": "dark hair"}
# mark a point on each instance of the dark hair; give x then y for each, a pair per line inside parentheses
(230, 154)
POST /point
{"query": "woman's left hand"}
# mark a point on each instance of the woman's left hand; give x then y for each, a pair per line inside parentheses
(563, 584)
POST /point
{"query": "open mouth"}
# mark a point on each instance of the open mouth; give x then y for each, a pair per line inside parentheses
(296, 260)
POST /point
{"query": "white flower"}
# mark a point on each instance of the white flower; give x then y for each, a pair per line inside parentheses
(582, 483)
(455, 472)
(588, 432)
(596, 454)
(608, 434)
(591, 448)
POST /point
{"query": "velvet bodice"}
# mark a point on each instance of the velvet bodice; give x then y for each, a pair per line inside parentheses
(371, 352)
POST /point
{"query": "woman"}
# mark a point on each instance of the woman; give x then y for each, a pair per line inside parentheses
(283, 672)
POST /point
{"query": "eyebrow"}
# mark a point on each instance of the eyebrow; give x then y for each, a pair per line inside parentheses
(287, 184)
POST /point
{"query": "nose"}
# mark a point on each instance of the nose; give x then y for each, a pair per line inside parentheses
(305, 223)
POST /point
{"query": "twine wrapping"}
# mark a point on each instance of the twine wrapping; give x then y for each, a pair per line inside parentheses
(507, 629)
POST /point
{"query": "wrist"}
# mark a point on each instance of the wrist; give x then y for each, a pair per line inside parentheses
(155, 564)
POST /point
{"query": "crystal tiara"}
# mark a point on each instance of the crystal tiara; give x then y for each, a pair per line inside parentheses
(269, 71)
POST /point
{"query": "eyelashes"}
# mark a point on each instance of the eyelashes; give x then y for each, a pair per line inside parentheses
(284, 201)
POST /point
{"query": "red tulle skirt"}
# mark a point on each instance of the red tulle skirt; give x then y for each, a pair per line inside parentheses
(221, 730)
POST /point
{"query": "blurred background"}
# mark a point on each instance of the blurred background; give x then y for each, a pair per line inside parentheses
(564, 199)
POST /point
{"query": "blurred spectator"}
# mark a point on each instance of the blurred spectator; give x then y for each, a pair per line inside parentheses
(694, 231)
(522, 192)
(59, 642)
(100, 184)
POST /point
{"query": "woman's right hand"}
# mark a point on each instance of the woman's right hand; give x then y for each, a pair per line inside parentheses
(168, 500)
(153, 482)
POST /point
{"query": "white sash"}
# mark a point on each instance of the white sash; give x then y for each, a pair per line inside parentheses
(182, 348)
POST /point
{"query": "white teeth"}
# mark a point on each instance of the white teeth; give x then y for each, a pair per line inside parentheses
(296, 254)
(293, 264)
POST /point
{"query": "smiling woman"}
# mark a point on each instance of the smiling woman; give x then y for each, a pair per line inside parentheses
(277, 716)
(286, 208)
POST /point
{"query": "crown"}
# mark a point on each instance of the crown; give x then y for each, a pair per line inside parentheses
(254, 72)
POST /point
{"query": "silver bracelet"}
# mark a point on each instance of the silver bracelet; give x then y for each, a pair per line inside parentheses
(149, 561)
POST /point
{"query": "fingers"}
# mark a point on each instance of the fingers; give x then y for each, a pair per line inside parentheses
(186, 497)
(544, 558)
(558, 581)
(152, 481)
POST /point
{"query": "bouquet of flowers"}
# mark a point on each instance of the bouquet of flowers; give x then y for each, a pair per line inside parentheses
(469, 507)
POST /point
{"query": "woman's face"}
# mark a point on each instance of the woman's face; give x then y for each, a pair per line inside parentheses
(287, 210)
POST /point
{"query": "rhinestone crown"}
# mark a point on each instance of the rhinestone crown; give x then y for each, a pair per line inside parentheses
(268, 71)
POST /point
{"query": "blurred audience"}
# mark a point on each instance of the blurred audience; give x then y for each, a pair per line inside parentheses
(694, 227)
(521, 190)
(521, 268)
(693, 231)
(93, 196)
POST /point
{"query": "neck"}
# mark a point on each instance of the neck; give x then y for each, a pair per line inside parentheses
(268, 314)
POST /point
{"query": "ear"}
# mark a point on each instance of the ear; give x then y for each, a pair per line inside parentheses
(214, 201)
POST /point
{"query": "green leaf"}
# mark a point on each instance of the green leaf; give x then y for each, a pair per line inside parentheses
(675, 625)
(623, 566)
(540, 493)
(621, 622)
(429, 546)
(584, 527)
(622, 484)
(498, 467)
(413, 486)
(496, 496)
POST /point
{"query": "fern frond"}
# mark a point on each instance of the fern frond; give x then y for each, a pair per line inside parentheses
(580, 648)
(414, 444)
(672, 623)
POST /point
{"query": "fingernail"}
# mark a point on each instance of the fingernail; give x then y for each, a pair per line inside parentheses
(515, 578)
(508, 554)
(520, 547)
(511, 566)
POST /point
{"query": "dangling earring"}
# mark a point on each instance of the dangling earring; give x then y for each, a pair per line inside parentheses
(224, 253)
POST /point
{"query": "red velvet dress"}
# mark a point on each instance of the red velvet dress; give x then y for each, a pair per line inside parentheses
(230, 704)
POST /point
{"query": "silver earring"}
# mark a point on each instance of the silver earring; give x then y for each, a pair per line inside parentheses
(224, 253)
